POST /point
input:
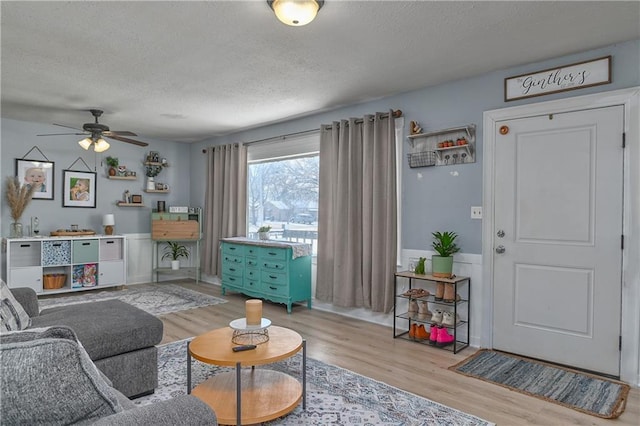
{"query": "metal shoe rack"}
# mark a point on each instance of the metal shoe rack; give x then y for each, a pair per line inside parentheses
(403, 319)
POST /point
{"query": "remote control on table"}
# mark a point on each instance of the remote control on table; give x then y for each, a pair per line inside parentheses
(243, 348)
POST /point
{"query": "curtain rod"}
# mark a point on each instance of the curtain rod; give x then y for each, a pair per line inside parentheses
(274, 138)
(396, 113)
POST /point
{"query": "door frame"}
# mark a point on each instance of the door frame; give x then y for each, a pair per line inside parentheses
(630, 304)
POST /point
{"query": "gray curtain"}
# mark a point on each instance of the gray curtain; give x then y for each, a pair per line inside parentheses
(225, 200)
(357, 213)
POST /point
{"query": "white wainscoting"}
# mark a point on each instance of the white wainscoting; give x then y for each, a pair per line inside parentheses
(139, 258)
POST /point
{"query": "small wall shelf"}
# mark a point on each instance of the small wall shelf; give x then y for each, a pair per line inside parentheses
(161, 191)
(123, 204)
(122, 177)
(153, 163)
(424, 143)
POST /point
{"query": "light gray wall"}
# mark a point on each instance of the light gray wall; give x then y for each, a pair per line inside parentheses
(19, 136)
(440, 201)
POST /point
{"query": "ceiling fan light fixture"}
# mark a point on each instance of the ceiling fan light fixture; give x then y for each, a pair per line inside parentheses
(85, 143)
(101, 145)
(295, 12)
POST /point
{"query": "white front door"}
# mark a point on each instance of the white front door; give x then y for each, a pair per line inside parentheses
(557, 236)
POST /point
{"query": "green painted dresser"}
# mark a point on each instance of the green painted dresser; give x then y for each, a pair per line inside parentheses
(278, 271)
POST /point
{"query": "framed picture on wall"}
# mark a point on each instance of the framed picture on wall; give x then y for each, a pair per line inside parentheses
(79, 189)
(136, 199)
(36, 173)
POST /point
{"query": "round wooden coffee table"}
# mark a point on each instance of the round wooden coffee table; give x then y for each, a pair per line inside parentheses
(251, 395)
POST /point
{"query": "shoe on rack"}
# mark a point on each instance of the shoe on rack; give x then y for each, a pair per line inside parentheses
(437, 316)
(421, 332)
(444, 338)
(433, 335)
(413, 306)
(449, 293)
(423, 310)
(447, 319)
(412, 330)
(439, 292)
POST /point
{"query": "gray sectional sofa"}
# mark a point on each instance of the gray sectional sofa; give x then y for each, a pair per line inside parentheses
(119, 338)
(47, 378)
(77, 364)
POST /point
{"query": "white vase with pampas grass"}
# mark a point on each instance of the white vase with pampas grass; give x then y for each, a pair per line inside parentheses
(18, 197)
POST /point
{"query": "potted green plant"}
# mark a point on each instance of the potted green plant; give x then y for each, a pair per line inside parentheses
(263, 232)
(112, 162)
(175, 251)
(444, 244)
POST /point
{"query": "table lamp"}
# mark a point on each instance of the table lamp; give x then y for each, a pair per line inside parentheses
(108, 220)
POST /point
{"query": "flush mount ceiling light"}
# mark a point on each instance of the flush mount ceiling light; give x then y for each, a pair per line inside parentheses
(99, 144)
(295, 12)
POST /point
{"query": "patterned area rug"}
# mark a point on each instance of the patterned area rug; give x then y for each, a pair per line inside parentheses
(335, 396)
(584, 392)
(157, 299)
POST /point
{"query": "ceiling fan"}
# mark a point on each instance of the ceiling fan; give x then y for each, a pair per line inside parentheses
(97, 134)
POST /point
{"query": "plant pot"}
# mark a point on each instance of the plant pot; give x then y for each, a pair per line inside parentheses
(175, 265)
(112, 171)
(151, 184)
(263, 235)
(442, 267)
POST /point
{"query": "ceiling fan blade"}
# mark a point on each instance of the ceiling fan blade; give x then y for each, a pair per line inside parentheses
(68, 127)
(122, 139)
(62, 134)
(118, 133)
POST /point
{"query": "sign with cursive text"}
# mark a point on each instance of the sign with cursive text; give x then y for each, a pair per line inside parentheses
(554, 80)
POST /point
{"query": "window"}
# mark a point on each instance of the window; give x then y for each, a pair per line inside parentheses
(283, 180)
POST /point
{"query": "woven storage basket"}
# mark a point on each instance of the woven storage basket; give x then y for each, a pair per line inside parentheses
(54, 281)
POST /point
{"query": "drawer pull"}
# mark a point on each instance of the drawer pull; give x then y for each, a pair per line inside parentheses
(273, 288)
(272, 277)
(25, 245)
(272, 253)
(232, 269)
(57, 245)
(231, 279)
(86, 244)
(110, 242)
(232, 248)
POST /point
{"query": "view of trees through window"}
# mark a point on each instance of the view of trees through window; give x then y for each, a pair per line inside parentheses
(283, 194)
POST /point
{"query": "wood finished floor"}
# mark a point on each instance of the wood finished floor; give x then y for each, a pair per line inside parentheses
(369, 349)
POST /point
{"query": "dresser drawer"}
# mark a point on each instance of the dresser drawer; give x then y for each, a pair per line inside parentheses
(231, 281)
(252, 284)
(252, 273)
(251, 262)
(232, 260)
(251, 250)
(234, 249)
(26, 277)
(85, 251)
(275, 289)
(270, 277)
(273, 253)
(273, 266)
(230, 269)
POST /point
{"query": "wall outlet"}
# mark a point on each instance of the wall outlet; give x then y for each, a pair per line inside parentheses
(476, 212)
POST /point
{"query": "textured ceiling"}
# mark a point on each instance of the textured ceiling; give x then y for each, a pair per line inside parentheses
(185, 71)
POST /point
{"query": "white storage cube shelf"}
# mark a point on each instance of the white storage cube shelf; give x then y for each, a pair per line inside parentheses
(88, 262)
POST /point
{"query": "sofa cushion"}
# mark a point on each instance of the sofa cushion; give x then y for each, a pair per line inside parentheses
(12, 315)
(48, 378)
(105, 328)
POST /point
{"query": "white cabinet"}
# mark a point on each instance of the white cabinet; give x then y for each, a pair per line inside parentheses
(63, 264)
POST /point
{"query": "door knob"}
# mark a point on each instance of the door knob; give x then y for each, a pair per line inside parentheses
(500, 233)
(500, 249)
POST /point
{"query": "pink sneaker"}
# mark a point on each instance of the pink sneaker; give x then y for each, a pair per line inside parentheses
(444, 338)
(433, 334)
